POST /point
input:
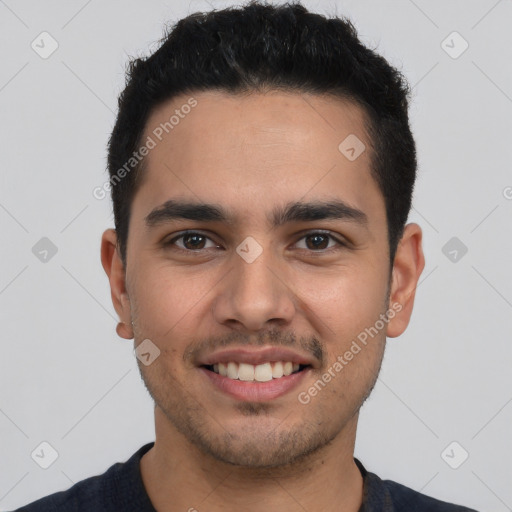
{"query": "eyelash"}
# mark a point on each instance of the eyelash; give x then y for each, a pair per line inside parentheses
(170, 243)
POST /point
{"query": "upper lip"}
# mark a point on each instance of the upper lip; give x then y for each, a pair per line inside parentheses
(256, 356)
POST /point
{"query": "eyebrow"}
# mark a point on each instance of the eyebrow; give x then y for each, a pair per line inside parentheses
(291, 212)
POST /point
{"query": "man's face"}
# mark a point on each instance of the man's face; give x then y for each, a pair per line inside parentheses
(306, 283)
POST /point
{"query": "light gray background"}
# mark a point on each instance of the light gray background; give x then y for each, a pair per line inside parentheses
(66, 378)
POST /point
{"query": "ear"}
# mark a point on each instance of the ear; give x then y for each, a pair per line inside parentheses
(407, 268)
(114, 268)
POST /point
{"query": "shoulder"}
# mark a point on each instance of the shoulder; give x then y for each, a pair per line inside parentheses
(389, 496)
(121, 483)
(406, 499)
(86, 494)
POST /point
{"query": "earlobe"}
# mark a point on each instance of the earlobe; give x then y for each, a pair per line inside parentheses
(407, 267)
(124, 329)
(114, 268)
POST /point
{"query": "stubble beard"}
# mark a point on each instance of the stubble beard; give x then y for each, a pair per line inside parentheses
(269, 442)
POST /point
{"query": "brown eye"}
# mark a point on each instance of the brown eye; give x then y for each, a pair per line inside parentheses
(191, 241)
(318, 242)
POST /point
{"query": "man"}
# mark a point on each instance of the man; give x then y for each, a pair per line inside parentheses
(261, 170)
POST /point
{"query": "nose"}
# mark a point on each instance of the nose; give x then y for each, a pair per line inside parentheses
(254, 296)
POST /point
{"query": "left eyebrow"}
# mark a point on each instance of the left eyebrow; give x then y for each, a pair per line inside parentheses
(317, 210)
(291, 212)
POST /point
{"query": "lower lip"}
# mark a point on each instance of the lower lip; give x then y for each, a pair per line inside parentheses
(255, 391)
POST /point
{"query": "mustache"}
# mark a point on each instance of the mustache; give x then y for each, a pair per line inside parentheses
(274, 337)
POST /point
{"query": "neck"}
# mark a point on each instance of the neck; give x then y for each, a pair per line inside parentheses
(177, 476)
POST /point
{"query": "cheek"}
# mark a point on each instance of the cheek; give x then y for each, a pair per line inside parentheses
(168, 300)
(346, 300)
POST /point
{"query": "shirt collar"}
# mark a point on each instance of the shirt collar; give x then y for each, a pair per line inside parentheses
(376, 497)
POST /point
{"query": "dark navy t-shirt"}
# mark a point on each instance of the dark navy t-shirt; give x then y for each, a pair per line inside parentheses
(121, 488)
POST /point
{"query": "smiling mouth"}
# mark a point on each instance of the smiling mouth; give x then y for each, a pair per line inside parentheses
(264, 372)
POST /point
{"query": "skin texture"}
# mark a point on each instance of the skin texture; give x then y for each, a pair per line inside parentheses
(251, 154)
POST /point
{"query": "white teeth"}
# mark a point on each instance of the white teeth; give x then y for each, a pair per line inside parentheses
(277, 370)
(223, 369)
(263, 372)
(245, 371)
(260, 373)
(288, 368)
(232, 371)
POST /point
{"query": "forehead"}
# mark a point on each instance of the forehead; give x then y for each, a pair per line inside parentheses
(274, 147)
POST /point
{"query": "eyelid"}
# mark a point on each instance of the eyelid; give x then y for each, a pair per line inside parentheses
(303, 234)
(340, 241)
(171, 242)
